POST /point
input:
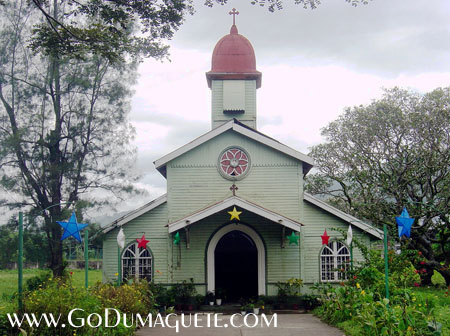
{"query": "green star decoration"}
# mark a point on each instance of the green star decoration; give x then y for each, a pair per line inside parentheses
(176, 239)
(293, 238)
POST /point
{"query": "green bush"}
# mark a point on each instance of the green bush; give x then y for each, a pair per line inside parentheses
(370, 274)
(359, 305)
(162, 297)
(183, 292)
(377, 317)
(135, 298)
(5, 327)
(37, 281)
(59, 297)
(289, 289)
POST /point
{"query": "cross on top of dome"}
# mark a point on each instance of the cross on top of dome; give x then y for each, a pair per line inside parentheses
(234, 12)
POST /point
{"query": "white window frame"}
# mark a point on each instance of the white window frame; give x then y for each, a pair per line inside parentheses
(137, 257)
(331, 263)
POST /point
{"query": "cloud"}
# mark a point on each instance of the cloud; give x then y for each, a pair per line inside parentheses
(390, 38)
(314, 64)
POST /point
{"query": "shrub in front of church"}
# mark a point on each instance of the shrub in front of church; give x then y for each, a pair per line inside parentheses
(289, 292)
(163, 298)
(402, 273)
(359, 312)
(359, 305)
(59, 297)
(131, 298)
(184, 294)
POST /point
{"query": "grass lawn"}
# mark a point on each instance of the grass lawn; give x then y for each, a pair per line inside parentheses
(8, 281)
(441, 302)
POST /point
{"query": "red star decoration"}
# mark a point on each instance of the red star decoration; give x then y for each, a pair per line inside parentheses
(325, 238)
(142, 242)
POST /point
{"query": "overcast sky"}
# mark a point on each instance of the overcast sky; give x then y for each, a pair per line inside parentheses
(314, 63)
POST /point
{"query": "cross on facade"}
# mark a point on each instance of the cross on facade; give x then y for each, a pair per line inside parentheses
(233, 188)
(234, 12)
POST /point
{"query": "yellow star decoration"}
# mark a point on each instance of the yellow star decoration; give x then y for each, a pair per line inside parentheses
(234, 214)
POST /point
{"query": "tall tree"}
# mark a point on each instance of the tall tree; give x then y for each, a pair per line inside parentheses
(64, 130)
(113, 29)
(392, 153)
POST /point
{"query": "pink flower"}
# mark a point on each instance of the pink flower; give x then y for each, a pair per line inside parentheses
(416, 284)
(422, 262)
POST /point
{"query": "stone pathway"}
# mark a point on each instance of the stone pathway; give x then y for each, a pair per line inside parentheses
(287, 325)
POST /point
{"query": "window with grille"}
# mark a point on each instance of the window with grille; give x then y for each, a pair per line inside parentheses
(136, 263)
(334, 262)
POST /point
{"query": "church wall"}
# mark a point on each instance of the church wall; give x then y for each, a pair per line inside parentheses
(274, 181)
(281, 263)
(217, 115)
(176, 263)
(316, 221)
(153, 225)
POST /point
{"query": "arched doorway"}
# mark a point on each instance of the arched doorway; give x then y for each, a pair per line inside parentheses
(236, 266)
(261, 256)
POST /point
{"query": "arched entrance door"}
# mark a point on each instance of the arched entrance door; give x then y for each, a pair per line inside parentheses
(261, 256)
(236, 266)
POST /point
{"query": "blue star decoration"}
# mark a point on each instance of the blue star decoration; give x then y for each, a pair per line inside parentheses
(404, 223)
(72, 228)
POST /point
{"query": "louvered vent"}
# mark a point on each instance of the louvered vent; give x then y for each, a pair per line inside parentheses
(233, 96)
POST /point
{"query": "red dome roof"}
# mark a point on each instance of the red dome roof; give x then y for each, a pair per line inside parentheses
(233, 58)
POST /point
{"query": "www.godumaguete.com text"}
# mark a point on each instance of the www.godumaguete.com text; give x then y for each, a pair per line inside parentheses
(111, 318)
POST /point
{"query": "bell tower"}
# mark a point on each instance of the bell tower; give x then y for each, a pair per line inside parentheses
(233, 79)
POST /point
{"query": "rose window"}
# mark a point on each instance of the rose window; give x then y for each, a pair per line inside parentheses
(234, 162)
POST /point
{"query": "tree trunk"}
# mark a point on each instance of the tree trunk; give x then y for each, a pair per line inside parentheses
(54, 233)
(55, 168)
(56, 262)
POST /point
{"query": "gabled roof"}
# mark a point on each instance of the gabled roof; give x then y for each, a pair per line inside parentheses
(240, 128)
(136, 213)
(344, 216)
(228, 203)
